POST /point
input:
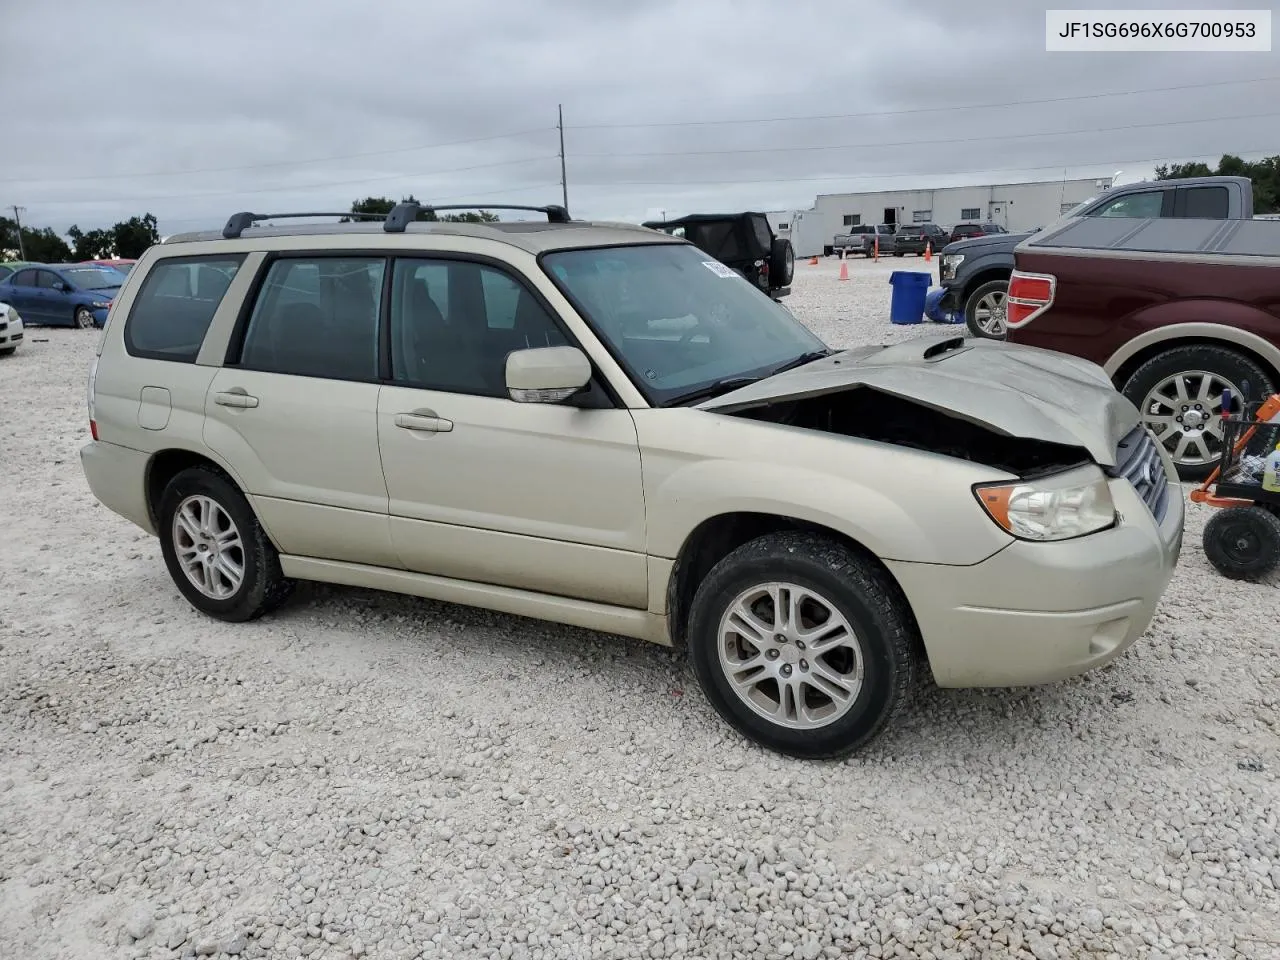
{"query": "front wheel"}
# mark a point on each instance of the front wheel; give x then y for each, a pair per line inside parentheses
(802, 644)
(985, 310)
(1243, 543)
(217, 553)
(83, 318)
(1179, 394)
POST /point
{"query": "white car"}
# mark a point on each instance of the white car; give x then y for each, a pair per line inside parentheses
(10, 330)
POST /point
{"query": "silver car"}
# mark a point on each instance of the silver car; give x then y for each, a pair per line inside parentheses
(599, 425)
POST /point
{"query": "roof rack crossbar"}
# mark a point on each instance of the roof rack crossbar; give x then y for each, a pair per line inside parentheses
(239, 222)
(406, 212)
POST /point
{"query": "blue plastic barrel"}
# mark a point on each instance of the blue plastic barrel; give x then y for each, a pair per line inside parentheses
(933, 308)
(909, 291)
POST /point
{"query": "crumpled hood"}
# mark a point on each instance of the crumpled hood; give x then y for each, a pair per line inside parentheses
(1012, 389)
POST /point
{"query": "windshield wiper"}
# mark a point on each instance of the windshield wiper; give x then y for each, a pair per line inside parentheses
(801, 360)
(712, 390)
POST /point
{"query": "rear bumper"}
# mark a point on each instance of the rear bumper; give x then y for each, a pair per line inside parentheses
(1041, 612)
(117, 476)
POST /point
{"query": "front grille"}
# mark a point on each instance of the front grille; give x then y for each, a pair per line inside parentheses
(1138, 461)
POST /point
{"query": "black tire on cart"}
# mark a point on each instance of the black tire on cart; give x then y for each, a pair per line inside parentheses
(1243, 543)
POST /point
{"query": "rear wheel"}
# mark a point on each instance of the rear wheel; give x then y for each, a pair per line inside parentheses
(1243, 542)
(1179, 394)
(217, 553)
(802, 644)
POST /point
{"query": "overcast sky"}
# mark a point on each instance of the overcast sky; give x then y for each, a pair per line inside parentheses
(192, 110)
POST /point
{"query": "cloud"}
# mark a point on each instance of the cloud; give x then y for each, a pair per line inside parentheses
(318, 102)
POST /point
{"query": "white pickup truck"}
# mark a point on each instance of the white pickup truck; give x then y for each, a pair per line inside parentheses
(861, 239)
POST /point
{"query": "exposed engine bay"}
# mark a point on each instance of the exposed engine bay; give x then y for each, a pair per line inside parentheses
(873, 415)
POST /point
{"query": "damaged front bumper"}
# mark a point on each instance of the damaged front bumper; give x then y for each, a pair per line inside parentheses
(1042, 612)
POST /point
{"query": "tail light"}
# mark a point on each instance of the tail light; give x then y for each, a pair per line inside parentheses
(1030, 294)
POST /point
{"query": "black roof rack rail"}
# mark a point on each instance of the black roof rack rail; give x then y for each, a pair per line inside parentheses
(406, 212)
(239, 222)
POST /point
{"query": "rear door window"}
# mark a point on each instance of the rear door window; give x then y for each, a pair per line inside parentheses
(1206, 203)
(173, 310)
(317, 317)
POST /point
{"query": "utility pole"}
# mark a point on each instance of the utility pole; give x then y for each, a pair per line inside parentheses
(564, 182)
(22, 253)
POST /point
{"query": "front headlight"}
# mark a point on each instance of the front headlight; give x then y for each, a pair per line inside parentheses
(950, 262)
(101, 304)
(1054, 508)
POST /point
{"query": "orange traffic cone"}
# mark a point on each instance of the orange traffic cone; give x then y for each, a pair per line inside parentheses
(813, 261)
(876, 249)
(928, 251)
(844, 269)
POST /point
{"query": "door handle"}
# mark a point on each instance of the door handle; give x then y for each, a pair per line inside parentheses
(235, 398)
(424, 421)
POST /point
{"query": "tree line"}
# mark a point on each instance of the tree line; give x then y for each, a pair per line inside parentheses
(127, 240)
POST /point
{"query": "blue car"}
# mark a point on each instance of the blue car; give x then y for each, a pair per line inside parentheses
(73, 295)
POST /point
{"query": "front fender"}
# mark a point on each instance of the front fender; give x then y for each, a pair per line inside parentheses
(900, 504)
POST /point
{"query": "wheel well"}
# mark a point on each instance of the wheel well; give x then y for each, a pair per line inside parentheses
(715, 538)
(166, 465)
(978, 279)
(1127, 369)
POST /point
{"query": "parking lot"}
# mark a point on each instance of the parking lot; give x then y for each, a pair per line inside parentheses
(364, 774)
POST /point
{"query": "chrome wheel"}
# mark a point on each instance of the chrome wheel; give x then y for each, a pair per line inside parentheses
(208, 546)
(989, 314)
(84, 319)
(1184, 411)
(790, 655)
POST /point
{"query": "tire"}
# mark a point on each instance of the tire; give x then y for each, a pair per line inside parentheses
(899, 254)
(8, 351)
(1243, 543)
(782, 263)
(262, 586)
(992, 291)
(83, 318)
(1184, 368)
(828, 251)
(857, 589)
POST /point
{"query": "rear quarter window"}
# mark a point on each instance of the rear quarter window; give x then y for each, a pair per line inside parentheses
(172, 311)
(1206, 203)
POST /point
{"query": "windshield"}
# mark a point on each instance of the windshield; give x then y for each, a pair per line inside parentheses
(678, 321)
(94, 278)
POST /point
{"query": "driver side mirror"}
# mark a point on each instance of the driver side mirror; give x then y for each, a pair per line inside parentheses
(546, 374)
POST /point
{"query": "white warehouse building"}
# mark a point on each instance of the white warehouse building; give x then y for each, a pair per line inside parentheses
(1015, 206)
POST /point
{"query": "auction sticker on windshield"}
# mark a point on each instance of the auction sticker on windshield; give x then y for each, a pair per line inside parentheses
(719, 269)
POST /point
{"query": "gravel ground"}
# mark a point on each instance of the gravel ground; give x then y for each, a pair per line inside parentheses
(370, 775)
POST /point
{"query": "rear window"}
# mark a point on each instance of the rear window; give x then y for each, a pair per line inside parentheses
(763, 236)
(910, 228)
(173, 310)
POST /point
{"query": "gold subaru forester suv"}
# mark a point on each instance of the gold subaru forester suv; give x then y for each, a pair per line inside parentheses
(598, 424)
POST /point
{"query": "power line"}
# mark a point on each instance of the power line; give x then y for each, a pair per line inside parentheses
(914, 173)
(916, 110)
(282, 163)
(296, 188)
(909, 143)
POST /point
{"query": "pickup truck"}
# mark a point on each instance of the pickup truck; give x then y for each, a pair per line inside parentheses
(975, 273)
(861, 239)
(1176, 311)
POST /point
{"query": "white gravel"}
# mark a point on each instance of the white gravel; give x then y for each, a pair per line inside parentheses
(370, 775)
